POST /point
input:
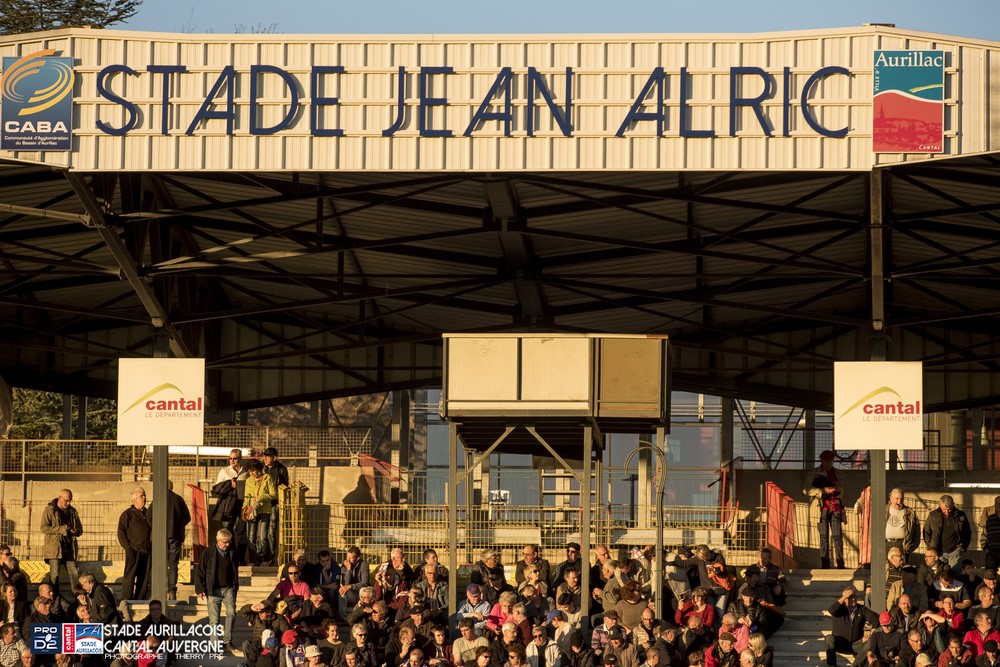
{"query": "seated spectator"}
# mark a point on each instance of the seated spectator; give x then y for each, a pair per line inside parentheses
(501, 611)
(430, 557)
(464, 648)
(379, 624)
(515, 656)
(484, 658)
(509, 636)
(419, 619)
(541, 652)
(912, 647)
(393, 577)
(699, 606)
(435, 594)
(612, 589)
(495, 587)
(329, 578)
(619, 648)
(438, 652)
(397, 651)
(568, 606)
(904, 616)
(909, 585)
(990, 656)
(519, 617)
(11, 644)
(363, 609)
(487, 568)
(990, 582)
(748, 611)
(930, 569)
(894, 563)
(316, 609)
(987, 605)
(292, 585)
(667, 645)
(975, 639)
(950, 617)
(154, 616)
(314, 657)
(474, 607)
(13, 610)
(887, 641)
(531, 560)
(599, 638)
(763, 654)
(330, 646)
(535, 606)
(570, 585)
(353, 577)
(957, 654)
(414, 598)
(969, 576)
(741, 633)
(560, 628)
(531, 575)
(946, 584)
(694, 638)
(367, 654)
(773, 577)
(260, 616)
(10, 572)
(644, 634)
(580, 654)
(572, 562)
(308, 571)
(39, 614)
(933, 633)
(721, 653)
(102, 600)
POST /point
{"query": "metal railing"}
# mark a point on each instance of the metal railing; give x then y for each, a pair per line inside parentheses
(772, 448)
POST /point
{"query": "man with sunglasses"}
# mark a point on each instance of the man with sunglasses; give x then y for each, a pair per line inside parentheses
(572, 562)
(229, 487)
(293, 585)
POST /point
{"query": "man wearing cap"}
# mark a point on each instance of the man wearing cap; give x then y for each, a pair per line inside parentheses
(990, 656)
(666, 644)
(541, 652)
(721, 654)
(572, 562)
(990, 582)
(827, 487)
(474, 607)
(848, 625)
(887, 640)
(748, 611)
(621, 648)
(947, 529)
(599, 638)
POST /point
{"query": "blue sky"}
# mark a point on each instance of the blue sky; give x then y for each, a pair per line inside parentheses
(966, 18)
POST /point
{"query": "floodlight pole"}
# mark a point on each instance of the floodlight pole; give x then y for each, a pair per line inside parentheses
(879, 192)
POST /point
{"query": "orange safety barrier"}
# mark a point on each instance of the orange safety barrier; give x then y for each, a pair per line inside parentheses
(780, 526)
(199, 516)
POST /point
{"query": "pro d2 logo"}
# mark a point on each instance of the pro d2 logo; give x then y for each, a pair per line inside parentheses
(36, 102)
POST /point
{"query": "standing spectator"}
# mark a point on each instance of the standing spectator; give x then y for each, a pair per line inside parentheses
(948, 531)
(102, 604)
(826, 486)
(259, 495)
(353, 577)
(278, 473)
(229, 484)
(135, 536)
(217, 579)
(61, 526)
(178, 517)
(902, 528)
(989, 535)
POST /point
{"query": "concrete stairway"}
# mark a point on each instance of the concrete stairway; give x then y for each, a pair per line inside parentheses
(810, 592)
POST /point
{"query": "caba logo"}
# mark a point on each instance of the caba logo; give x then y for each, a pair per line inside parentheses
(36, 90)
(869, 406)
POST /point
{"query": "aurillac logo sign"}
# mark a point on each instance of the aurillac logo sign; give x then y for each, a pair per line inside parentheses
(36, 102)
(878, 405)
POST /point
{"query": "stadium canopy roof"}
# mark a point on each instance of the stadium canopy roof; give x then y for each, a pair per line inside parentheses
(764, 260)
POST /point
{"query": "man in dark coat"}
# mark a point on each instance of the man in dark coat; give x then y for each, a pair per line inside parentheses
(848, 625)
(135, 536)
(102, 605)
(178, 517)
(947, 529)
(217, 580)
(61, 526)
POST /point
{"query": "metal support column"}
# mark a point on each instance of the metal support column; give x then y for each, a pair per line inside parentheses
(585, 523)
(400, 433)
(879, 182)
(453, 525)
(660, 444)
(161, 498)
(809, 439)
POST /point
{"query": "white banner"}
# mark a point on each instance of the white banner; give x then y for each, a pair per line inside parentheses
(161, 402)
(878, 405)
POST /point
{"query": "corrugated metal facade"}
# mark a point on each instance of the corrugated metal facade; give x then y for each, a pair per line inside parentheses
(608, 74)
